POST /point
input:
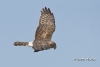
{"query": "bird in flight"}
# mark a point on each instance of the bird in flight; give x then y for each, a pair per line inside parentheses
(43, 34)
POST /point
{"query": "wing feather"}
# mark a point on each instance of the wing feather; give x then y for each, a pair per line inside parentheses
(46, 25)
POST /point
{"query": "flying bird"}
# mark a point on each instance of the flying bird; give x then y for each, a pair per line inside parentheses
(43, 34)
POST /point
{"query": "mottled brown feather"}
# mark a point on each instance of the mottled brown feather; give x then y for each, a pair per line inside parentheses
(46, 25)
(21, 43)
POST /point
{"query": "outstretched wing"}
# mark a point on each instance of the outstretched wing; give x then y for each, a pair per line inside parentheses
(46, 25)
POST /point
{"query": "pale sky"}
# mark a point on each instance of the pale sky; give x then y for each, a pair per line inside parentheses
(77, 33)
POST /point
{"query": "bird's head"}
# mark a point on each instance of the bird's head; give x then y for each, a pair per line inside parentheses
(52, 44)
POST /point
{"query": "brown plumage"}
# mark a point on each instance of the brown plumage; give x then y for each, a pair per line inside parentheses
(21, 43)
(43, 33)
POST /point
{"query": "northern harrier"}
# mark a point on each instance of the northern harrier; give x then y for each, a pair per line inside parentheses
(43, 33)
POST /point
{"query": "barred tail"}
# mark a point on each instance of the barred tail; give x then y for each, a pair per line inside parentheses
(21, 43)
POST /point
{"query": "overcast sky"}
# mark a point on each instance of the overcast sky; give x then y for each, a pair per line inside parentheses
(77, 33)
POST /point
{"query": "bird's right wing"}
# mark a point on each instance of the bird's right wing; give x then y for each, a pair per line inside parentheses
(46, 25)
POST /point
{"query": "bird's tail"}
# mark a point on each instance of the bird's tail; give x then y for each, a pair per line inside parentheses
(30, 44)
(21, 43)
